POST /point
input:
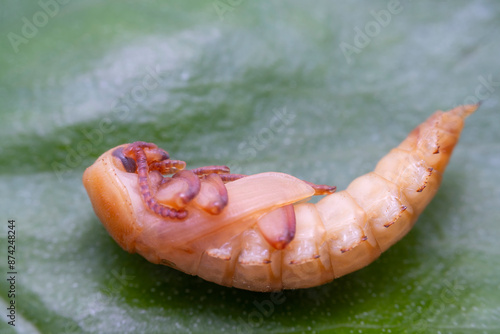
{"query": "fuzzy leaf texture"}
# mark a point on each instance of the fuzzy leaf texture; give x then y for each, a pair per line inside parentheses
(320, 91)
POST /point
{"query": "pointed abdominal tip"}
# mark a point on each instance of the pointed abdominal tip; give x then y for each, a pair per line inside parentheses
(469, 109)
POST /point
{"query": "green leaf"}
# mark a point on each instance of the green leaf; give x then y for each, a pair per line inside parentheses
(204, 79)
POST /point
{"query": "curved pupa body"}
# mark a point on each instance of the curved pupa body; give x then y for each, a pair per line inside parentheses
(258, 232)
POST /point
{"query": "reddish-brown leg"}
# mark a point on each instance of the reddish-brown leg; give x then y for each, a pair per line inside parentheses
(213, 195)
(278, 226)
(222, 171)
(178, 190)
(231, 177)
(206, 170)
(168, 166)
(137, 152)
(321, 189)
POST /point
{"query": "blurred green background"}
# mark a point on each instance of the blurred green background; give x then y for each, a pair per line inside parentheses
(204, 79)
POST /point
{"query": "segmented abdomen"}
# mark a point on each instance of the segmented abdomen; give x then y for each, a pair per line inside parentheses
(347, 230)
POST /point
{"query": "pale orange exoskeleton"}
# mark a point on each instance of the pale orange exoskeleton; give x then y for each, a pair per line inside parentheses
(258, 232)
